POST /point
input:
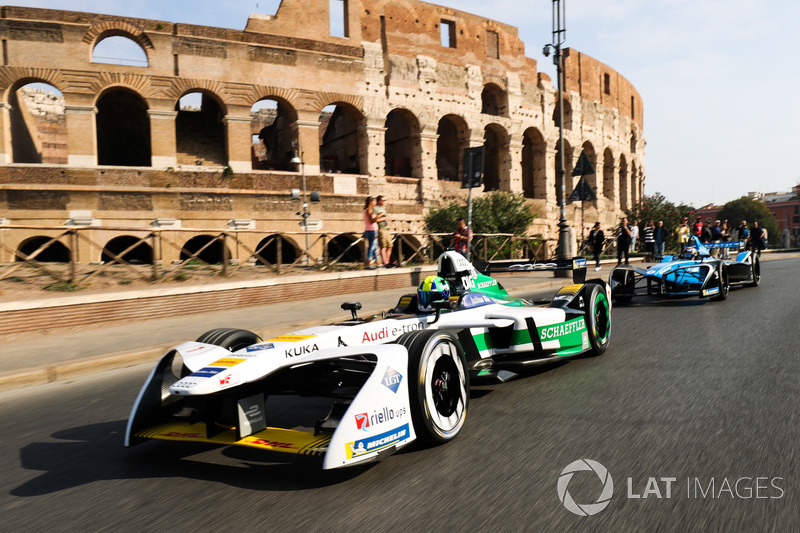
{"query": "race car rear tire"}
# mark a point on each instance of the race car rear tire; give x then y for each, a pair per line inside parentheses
(755, 272)
(723, 283)
(229, 338)
(438, 384)
(598, 320)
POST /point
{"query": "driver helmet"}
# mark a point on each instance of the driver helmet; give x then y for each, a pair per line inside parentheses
(433, 288)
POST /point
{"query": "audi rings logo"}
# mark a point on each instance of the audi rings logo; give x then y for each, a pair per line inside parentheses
(585, 509)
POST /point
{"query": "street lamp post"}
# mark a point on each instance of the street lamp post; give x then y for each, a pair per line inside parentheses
(559, 36)
(305, 213)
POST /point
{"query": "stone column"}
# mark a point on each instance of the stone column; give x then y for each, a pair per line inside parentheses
(239, 142)
(6, 150)
(308, 144)
(373, 159)
(514, 166)
(81, 135)
(424, 166)
(162, 139)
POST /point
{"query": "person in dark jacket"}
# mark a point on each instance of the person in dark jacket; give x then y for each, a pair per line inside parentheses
(623, 235)
(660, 237)
(758, 238)
(597, 240)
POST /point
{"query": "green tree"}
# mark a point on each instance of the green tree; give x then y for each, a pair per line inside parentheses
(751, 210)
(656, 207)
(497, 212)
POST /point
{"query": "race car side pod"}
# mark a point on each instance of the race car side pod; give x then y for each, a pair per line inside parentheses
(577, 265)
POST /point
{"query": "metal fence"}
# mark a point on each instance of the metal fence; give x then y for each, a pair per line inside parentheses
(70, 242)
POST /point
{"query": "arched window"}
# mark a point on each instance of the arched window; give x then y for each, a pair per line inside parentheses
(119, 50)
(341, 142)
(533, 164)
(495, 157)
(402, 143)
(123, 129)
(38, 124)
(453, 138)
(200, 136)
(494, 101)
(274, 129)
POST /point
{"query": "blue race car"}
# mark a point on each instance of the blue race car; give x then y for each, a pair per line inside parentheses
(693, 273)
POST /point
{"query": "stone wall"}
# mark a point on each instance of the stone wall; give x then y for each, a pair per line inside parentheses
(414, 103)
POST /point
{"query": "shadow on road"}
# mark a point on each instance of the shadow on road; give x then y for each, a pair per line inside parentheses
(95, 453)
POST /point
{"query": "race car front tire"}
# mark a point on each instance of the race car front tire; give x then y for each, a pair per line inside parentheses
(438, 384)
(598, 320)
(229, 338)
(755, 272)
(723, 283)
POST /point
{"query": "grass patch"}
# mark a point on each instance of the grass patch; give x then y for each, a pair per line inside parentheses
(62, 286)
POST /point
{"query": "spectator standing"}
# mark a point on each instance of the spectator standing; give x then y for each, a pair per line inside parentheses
(384, 239)
(596, 241)
(743, 234)
(649, 240)
(707, 237)
(462, 237)
(683, 233)
(371, 232)
(660, 238)
(634, 236)
(758, 238)
(697, 228)
(726, 237)
(623, 235)
(716, 237)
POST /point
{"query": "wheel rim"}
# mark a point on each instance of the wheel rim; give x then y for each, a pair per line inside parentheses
(601, 317)
(445, 388)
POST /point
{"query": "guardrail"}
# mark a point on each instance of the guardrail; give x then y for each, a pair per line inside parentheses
(408, 248)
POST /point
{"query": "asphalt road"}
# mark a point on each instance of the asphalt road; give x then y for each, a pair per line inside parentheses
(702, 392)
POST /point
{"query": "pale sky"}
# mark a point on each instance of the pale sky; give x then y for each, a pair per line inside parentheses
(719, 78)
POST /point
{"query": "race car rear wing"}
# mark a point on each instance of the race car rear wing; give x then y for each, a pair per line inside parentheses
(577, 265)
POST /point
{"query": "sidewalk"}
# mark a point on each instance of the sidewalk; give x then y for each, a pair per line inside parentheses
(38, 357)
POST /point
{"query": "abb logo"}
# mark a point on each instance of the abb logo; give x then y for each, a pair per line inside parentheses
(273, 443)
(225, 380)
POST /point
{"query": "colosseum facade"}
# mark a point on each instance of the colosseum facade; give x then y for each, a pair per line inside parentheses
(385, 104)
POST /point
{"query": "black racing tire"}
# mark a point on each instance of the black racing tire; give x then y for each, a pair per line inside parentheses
(229, 338)
(723, 283)
(438, 384)
(598, 320)
(755, 272)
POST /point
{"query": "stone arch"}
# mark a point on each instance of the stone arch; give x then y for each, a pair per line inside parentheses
(634, 185)
(37, 120)
(494, 100)
(569, 164)
(213, 254)
(123, 128)
(591, 179)
(117, 28)
(141, 254)
(56, 252)
(200, 133)
(624, 183)
(289, 251)
(342, 139)
(274, 129)
(402, 143)
(534, 157)
(343, 245)
(567, 114)
(495, 157)
(453, 138)
(608, 174)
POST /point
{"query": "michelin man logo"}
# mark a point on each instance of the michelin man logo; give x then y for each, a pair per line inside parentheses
(586, 509)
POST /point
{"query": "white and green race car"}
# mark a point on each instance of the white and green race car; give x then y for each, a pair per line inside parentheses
(363, 388)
